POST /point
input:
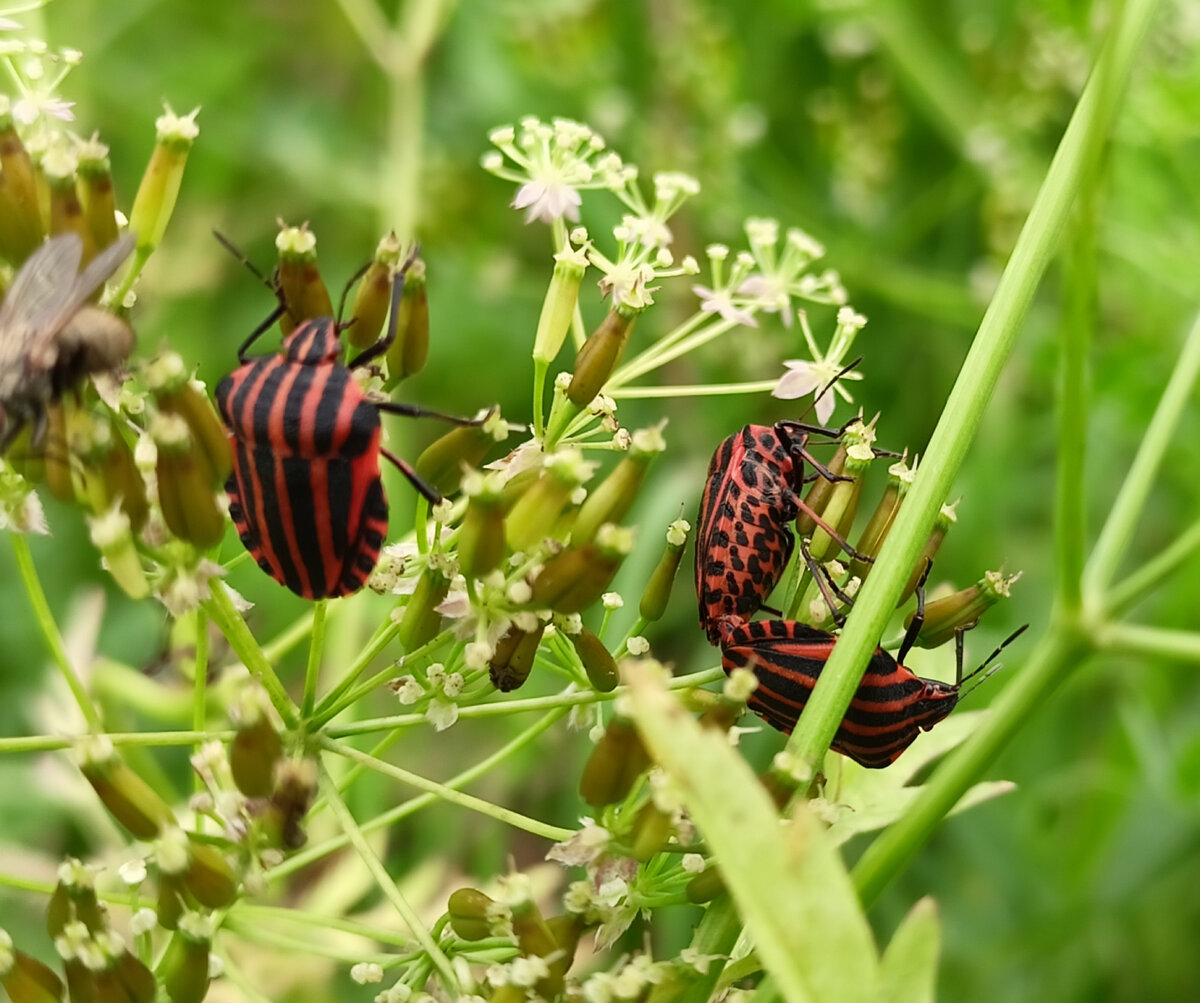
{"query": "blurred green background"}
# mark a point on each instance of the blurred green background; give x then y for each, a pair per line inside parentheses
(910, 139)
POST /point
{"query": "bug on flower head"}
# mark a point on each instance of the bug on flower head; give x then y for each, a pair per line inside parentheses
(50, 338)
(306, 494)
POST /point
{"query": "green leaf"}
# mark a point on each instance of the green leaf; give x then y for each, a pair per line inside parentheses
(909, 966)
(786, 878)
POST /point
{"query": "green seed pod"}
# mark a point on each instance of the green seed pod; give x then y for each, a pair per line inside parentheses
(468, 909)
(94, 174)
(818, 494)
(658, 589)
(129, 799)
(185, 477)
(616, 762)
(615, 495)
(941, 526)
(576, 577)
(169, 905)
(125, 979)
(512, 661)
(539, 508)
(408, 352)
(25, 979)
(74, 899)
(184, 967)
(705, 886)
(374, 295)
(962, 610)
(566, 931)
(256, 748)
(176, 394)
(599, 355)
(481, 538)
(900, 476)
(842, 503)
(529, 927)
(597, 661)
(60, 479)
(21, 227)
(652, 831)
(421, 620)
(442, 462)
(558, 308)
(159, 188)
(209, 878)
(66, 211)
(299, 279)
(112, 535)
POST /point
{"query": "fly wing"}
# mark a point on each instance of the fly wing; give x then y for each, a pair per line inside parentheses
(41, 284)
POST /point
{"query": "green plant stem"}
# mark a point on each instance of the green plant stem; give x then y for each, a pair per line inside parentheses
(286, 640)
(220, 607)
(49, 629)
(964, 410)
(317, 852)
(391, 892)
(336, 700)
(1053, 659)
(257, 932)
(716, 935)
(672, 346)
(697, 390)
(238, 978)
(503, 708)
(152, 739)
(1137, 639)
(540, 369)
(200, 690)
(1129, 590)
(552, 832)
(316, 651)
(1127, 509)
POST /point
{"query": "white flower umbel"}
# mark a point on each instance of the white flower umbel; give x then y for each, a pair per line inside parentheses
(823, 375)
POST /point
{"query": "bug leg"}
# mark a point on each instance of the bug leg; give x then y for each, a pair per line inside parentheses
(829, 589)
(423, 487)
(845, 547)
(918, 620)
(259, 331)
(346, 292)
(382, 345)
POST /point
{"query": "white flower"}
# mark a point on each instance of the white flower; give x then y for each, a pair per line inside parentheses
(548, 200)
(720, 301)
(821, 378)
(29, 108)
(366, 972)
(441, 714)
(583, 847)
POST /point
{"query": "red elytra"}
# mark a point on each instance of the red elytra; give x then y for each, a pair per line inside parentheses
(306, 494)
(890, 708)
(743, 542)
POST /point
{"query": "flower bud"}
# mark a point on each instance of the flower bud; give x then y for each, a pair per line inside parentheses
(185, 477)
(481, 538)
(112, 536)
(21, 227)
(842, 504)
(74, 899)
(130, 800)
(421, 620)
(941, 526)
(558, 308)
(209, 878)
(115, 473)
(658, 589)
(159, 189)
(652, 831)
(255, 749)
(612, 499)
(127, 980)
(300, 282)
(529, 927)
(407, 353)
(469, 912)
(66, 211)
(576, 577)
(543, 502)
(175, 394)
(512, 660)
(962, 610)
(184, 967)
(442, 462)
(374, 295)
(705, 886)
(598, 662)
(599, 355)
(566, 931)
(169, 905)
(25, 979)
(616, 762)
(900, 476)
(95, 182)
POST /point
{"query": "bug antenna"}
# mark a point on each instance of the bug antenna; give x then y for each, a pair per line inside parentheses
(254, 270)
(829, 386)
(988, 661)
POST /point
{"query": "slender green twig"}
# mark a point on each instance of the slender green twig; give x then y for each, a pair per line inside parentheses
(316, 651)
(1130, 590)
(1137, 639)
(391, 892)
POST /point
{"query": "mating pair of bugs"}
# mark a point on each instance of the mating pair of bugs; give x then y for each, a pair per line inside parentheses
(306, 494)
(743, 545)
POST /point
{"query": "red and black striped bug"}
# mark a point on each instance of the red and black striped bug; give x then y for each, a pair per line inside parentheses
(891, 707)
(306, 494)
(743, 542)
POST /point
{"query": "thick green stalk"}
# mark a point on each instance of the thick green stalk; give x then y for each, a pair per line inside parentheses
(1080, 146)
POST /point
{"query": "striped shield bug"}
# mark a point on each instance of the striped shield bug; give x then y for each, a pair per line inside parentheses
(891, 707)
(50, 338)
(306, 494)
(743, 542)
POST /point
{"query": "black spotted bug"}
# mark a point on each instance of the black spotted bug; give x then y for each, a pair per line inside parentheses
(306, 494)
(50, 337)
